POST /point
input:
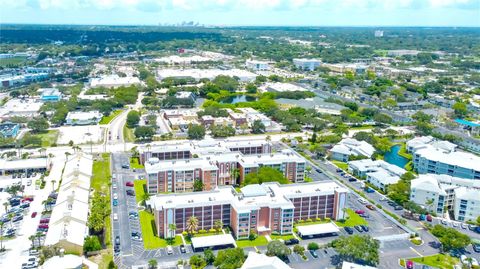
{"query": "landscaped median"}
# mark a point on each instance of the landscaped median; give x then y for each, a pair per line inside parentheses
(109, 118)
(140, 187)
(128, 134)
(437, 261)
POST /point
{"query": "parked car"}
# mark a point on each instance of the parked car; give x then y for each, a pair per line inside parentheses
(473, 262)
(314, 253)
(125, 166)
(397, 207)
(359, 212)
(444, 222)
(291, 241)
(471, 227)
(352, 179)
(133, 215)
(45, 220)
(339, 170)
(129, 184)
(463, 225)
(391, 203)
(17, 218)
(115, 195)
(410, 264)
(136, 236)
(429, 218)
(371, 207)
(183, 249)
(43, 226)
(364, 228)
(358, 228)
(25, 205)
(34, 214)
(115, 202)
(476, 247)
(117, 240)
(455, 224)
(362, 201)
(349, 230)
(130, 193)
(115, 216)
(369, 190)
(169, 250)
(114, 186)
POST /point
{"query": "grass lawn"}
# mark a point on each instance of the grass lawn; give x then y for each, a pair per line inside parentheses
(48, 138)
(341, 165)
(284, 237)
(139, 187)
(128, 134)
(352, 220)
(109, 118)
(101, 183)
(259, 241)
(439, 261)
(135, 163)
(14, 61)
(150, 240)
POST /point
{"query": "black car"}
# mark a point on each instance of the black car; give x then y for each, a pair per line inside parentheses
(130, 193)
(339, 170)
(476, 247)
(349, 230)
(352, 179)
(117, 240)
(358, 228)
(391, 203)
(183, 249)
(318, 171)
(116, 248)
(125, 166)
(398, 207)
(364, 228)
(291, 241)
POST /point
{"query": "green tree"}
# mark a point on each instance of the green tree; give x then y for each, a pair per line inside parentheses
(198, 185)
(312, 246)
(38, 125)
(265, 174)
(450, 238)
(230, 258)
(460, 109)
(92, 243)
(196, 132)
(172, 228)
(133, 118)
(299, 249)
(218, 225)
(144, 132)
(192, 224)
(152, 264)
(251, 88)
(357, 249)
(278, 248)
(222, 131)
(258, 127)
(197, 262)
(209, 256)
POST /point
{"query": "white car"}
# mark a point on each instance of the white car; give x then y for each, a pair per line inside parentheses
(115, 216)
(474, 261)
(114, 186)
(455, 224)
(362, 201)
(463, 225)
(169, 250)
(115, 196)
(463, 259)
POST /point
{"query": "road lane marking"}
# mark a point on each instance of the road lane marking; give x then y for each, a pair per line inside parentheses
(414, 250)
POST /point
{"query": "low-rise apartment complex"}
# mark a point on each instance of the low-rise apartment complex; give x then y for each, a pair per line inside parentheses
(378, 173)
(438, 193)
(263, 209)
(441, 157)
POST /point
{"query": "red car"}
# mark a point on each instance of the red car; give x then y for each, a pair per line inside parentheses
(360, 212)
(129, 184)
(43, 226)
(429, 218)
(409, 264)
(34, 214)
(44, 221)
(30, 199)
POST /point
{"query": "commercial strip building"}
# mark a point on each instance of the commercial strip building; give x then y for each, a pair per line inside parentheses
(349, 146)
(113, 81)
(378, 173)
(68, 222)
(217, 169)
(438, 193)
(307, 64)
(37, 165)
(257, 65)
(262, 209)
(26, 107)
(441, 157)
(283, 87)
(198, 74)
(83, 118)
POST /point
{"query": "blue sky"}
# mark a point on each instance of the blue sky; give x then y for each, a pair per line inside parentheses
(245, 12)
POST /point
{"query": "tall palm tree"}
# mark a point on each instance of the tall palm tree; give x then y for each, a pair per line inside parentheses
(172, 227)
(32, 238)
(192, 224)
(6, 204)
(2, 224)
(429, 204)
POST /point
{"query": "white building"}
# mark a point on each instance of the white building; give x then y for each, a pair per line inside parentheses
(113, 81)
(256, 65)
(283, 87)
(349, 146)
(307, 64)
(197, 74)
(349, 265)
(28, 108)
(262, 261)
(68, 222)
(439, 192)
(378, 173)
(83, 118)
(441, 157)
(378, 33)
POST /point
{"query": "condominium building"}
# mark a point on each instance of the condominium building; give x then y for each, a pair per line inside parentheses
(263, 209)
(307, 64)
(217, 169)
(378, 173)
(438, 193)
(349, 146)
(257, 65)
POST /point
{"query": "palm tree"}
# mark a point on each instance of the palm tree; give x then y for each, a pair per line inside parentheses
(32, 238)
(152, 264)
(429, 204)
(2, 224)
(39, 235)
(6, 204)
(192, 225)
(53, 184)
(218, 224)
(172, 227)
(236, 175)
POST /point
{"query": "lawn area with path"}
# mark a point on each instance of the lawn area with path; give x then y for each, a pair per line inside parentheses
(341, 165)
(150, 240)
(139, 186)
(283, 237)
(135, 163)
(259, 241)
(438, 260)
(352, 220)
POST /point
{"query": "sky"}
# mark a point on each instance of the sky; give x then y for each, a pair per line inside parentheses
(245, 12)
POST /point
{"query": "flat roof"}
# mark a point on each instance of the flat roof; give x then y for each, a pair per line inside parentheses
(456, 158)
(315, 229)
(23, 164)
(212, 241)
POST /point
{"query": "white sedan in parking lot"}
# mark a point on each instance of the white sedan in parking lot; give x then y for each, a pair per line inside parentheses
(115, 216)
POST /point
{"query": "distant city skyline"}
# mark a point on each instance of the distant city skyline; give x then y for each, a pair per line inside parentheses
(245, 12)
